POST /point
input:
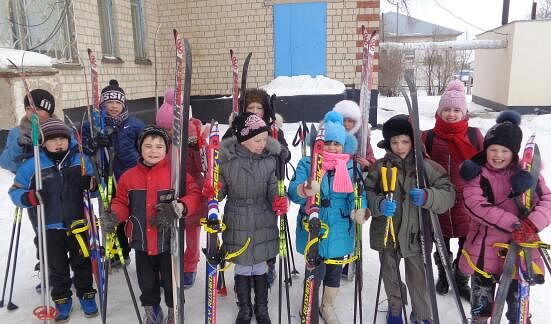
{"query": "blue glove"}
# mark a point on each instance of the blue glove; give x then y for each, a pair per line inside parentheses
(387, 207)
(418, 196)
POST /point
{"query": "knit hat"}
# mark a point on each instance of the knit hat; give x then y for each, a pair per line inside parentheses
(454, 96)
(152, 130)
(52, 128)
(247, 125)
(350, 109)
(165, 115)
(397, 125)
(334, 129)
(506, 132)
(113, 93)
(262, 97)
(42, 99)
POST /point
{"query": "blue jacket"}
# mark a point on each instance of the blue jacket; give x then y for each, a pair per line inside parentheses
(340, 240)
(14, 153)
(61, 194)
(124, 141)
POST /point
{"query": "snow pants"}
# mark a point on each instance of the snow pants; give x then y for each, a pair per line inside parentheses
(191, 254)
(150, 269)
(482, 298)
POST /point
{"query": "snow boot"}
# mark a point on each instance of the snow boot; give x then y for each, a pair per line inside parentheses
(63, 307)
(442, 285)
(261, 299)
(243, 291)
(170, 316)
(394, 319)
(189, 279)
(272, 273)
(153, 314)
(88, 304)
(327, 311)
(462, 281)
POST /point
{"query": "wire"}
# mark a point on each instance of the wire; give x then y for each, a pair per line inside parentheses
(57, 27)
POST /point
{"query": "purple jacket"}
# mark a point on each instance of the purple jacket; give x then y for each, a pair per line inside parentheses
(493, 223)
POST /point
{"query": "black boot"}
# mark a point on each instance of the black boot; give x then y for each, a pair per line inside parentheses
(243, 292)
(462, 281)
(442, 286)
(261, 299)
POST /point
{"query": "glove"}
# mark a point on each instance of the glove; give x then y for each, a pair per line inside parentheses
(360, 216)
(308, 190)
(86, 182)
(280, 205)
(32, 198)
(25, 139)
(525, 232)
(108, 222)
(167, 213)
(418, 196)
(387, 207)
(100, 140)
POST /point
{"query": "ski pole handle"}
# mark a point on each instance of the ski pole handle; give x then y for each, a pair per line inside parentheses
(384, 179)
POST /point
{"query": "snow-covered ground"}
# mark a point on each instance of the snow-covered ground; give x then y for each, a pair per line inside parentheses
(120, 308)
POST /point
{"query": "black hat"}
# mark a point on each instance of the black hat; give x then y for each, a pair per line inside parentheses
(248, 125)
(42, 99)
(113, 93)
(260, 96)
(396, 125)
(152, 130)
(506, 132)
(52, 128)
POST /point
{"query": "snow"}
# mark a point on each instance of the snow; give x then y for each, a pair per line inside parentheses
(303, 85)
(120, 308)
(455, 45)
(29, 58)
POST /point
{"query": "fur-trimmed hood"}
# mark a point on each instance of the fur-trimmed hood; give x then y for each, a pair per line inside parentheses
(231, 149)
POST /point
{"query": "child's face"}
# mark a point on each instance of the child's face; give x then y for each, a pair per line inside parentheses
(400, 145)
(348, 123)
(498, 156)
(42, 114)
(153, 150)
(257, 143)
(256, 108)
(451, 114)
(113, 108)
(332, 147)
(56, 144)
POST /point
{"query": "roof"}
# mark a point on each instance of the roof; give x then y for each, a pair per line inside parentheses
(410, 26)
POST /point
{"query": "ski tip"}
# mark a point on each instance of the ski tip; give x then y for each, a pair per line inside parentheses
(175, 32)
(231, 52)
(89, 50)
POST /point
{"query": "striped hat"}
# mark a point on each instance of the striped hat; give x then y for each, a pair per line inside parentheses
(53, 127)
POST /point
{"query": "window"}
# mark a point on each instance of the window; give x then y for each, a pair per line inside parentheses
(108, 32)
(138, 29)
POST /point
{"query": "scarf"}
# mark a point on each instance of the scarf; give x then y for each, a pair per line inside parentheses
(455, 134)
(337, 162)
(117, 121)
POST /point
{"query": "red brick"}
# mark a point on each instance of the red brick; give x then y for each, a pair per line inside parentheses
(368, 4)
(359, 56)
(367, 17)
(375, 68)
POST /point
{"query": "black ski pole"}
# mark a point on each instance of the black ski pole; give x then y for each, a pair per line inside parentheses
(16, 228)
(8, 261)
(294, 272)
(11, 305)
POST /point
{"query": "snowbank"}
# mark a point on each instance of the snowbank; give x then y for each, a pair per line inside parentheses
(29, 58)
(303, 85)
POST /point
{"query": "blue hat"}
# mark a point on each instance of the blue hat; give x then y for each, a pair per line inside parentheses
(335, 131)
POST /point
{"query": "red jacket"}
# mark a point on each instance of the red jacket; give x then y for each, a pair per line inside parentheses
(138, 192)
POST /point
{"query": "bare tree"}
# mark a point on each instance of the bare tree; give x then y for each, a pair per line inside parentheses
(430, 61)
(544, 9)
(391, 68)
(447, 65)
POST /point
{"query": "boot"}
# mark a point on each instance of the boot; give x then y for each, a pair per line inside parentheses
(243, 292)
(261, 299)
(88, 304)
(442, 286)
(153, 314)
(63, 307)
(394, 319)
(462, 281)
(327, 311)
(170, 316)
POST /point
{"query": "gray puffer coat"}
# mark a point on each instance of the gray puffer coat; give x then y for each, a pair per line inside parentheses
(250, 185)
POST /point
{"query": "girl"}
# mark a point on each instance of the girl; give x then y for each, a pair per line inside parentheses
(449, 143)
(493, 180)
(437, 197)
(336, 207)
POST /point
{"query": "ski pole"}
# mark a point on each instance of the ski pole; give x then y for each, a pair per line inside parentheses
(16, 230)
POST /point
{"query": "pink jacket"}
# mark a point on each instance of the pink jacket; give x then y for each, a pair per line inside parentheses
(493, 223)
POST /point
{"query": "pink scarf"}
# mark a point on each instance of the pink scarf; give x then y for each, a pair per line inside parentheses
(337, 162)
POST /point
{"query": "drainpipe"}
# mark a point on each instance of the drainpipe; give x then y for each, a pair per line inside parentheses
(505, 12)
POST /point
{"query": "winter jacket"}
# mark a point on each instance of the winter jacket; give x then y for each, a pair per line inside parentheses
(493, 222)
(194, 169)
(124, 141)
(19, 146)
(335, 212)
(61, 193)
(455, 221)
(138, 192)
(440, 197)
(250, 185)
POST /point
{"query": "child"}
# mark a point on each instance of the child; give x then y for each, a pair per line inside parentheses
(437, 197)
(336, 210)
(121, 133)
(62, 197)
(145, 199)
(493, 182)
(449, 143)
(248, 180)
(194, 168)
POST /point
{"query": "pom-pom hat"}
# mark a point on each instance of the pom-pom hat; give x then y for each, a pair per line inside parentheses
(113, 92)
(454, 96)
(506, 132)
(247, 125)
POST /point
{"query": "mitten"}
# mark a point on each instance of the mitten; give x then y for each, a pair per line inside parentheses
(525, 232)
(86, 182)
(308, 190)
(387, 207)
(280, 205)
(360, 216)
(469, 170)
(108, 222)
(418, 196)
(102, 140)
(32, 198)
(167, 213)
(520, 182)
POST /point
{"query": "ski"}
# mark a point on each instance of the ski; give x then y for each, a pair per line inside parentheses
(235, 84)
(428, 219)
(505, 282)
(178, 169)
(309, 313)
(368, 53)
(244, 72)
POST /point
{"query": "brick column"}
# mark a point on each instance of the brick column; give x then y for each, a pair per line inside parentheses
(369, 17)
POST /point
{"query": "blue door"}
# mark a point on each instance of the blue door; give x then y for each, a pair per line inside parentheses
(300, 38)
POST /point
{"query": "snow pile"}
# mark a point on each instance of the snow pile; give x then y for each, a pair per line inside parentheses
(29, 58)
(303, 85)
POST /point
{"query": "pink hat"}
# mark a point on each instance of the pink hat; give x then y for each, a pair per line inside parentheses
(165, 113)
(454, 96)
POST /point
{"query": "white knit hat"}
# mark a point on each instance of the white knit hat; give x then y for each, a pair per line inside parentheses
(350, 109)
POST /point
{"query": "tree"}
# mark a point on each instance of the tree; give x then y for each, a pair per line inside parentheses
(544, 9)
(391, 69)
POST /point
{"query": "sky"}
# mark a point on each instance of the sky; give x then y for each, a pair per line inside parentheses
(484, 14)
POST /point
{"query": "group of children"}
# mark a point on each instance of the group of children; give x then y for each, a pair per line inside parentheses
(144, 208)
